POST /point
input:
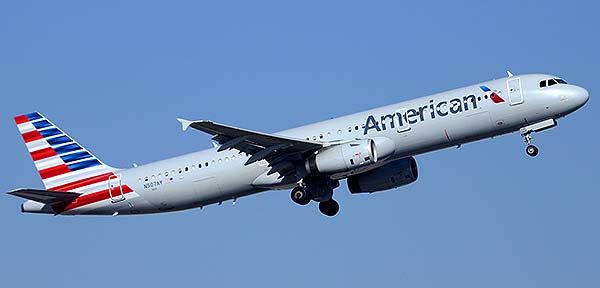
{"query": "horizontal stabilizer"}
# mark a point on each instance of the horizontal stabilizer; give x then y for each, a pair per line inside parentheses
(45, 196)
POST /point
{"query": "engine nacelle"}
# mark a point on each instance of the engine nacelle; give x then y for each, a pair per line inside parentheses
(388, 176)
(350, 156)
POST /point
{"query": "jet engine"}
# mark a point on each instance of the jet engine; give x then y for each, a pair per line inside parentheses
(350, 156)
(392, 175)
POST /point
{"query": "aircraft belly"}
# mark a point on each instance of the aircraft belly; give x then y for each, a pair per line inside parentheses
(206, 189)
(470, 125)
(228, 183)
(239, 181)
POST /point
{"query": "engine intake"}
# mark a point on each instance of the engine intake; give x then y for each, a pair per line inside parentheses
(350, 156)
(392, 175)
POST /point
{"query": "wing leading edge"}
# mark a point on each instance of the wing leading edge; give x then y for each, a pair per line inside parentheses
(262, 146)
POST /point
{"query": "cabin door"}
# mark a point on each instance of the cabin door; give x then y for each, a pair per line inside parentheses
(515, 94)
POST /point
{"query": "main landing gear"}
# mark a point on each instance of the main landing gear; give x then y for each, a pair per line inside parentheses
(319, 189)
(329, 207)
(300, 196)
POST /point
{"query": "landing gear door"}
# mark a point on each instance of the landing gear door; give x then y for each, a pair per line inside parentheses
(115, 190)
(515, 94)
(402, 124)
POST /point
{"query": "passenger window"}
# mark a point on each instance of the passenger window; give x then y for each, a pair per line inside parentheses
(206, 164)
(233, 157)
(180, 170)
(552, 82)
(186, 169)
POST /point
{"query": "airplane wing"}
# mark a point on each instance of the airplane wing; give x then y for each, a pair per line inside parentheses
(273, 148)
(45, 196)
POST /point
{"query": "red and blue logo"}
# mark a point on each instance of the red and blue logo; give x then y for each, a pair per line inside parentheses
(492, 94)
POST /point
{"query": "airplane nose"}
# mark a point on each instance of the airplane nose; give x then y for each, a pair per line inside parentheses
(573, 97)
(580, 96)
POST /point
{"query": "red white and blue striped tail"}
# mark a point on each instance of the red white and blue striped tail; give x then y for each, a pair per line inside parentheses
(63, 164)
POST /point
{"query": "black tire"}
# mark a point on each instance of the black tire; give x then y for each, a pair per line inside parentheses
(329, 208)
(299, 196)
(532, 151)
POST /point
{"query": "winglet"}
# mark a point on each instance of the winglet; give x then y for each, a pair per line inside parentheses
(184, 123)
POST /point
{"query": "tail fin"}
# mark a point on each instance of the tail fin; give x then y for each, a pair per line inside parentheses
(62, 163)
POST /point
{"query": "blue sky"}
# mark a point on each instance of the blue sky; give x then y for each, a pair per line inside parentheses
(115, 75)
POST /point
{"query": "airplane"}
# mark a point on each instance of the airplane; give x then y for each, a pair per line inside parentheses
(373, 150)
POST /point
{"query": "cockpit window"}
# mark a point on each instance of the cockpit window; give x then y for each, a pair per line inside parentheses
(560, 81)
(551, 82)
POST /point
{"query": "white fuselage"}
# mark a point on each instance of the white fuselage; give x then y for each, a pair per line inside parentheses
(416, 126)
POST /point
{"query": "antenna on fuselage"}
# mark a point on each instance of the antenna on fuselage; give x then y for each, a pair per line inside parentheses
(509, 73)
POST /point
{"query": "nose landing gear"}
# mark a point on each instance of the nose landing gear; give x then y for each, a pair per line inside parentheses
(531, 149)
(526, 131)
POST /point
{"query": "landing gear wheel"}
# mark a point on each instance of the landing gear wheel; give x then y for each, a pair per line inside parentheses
(300, 196)
(329, 207)
(532, 151)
